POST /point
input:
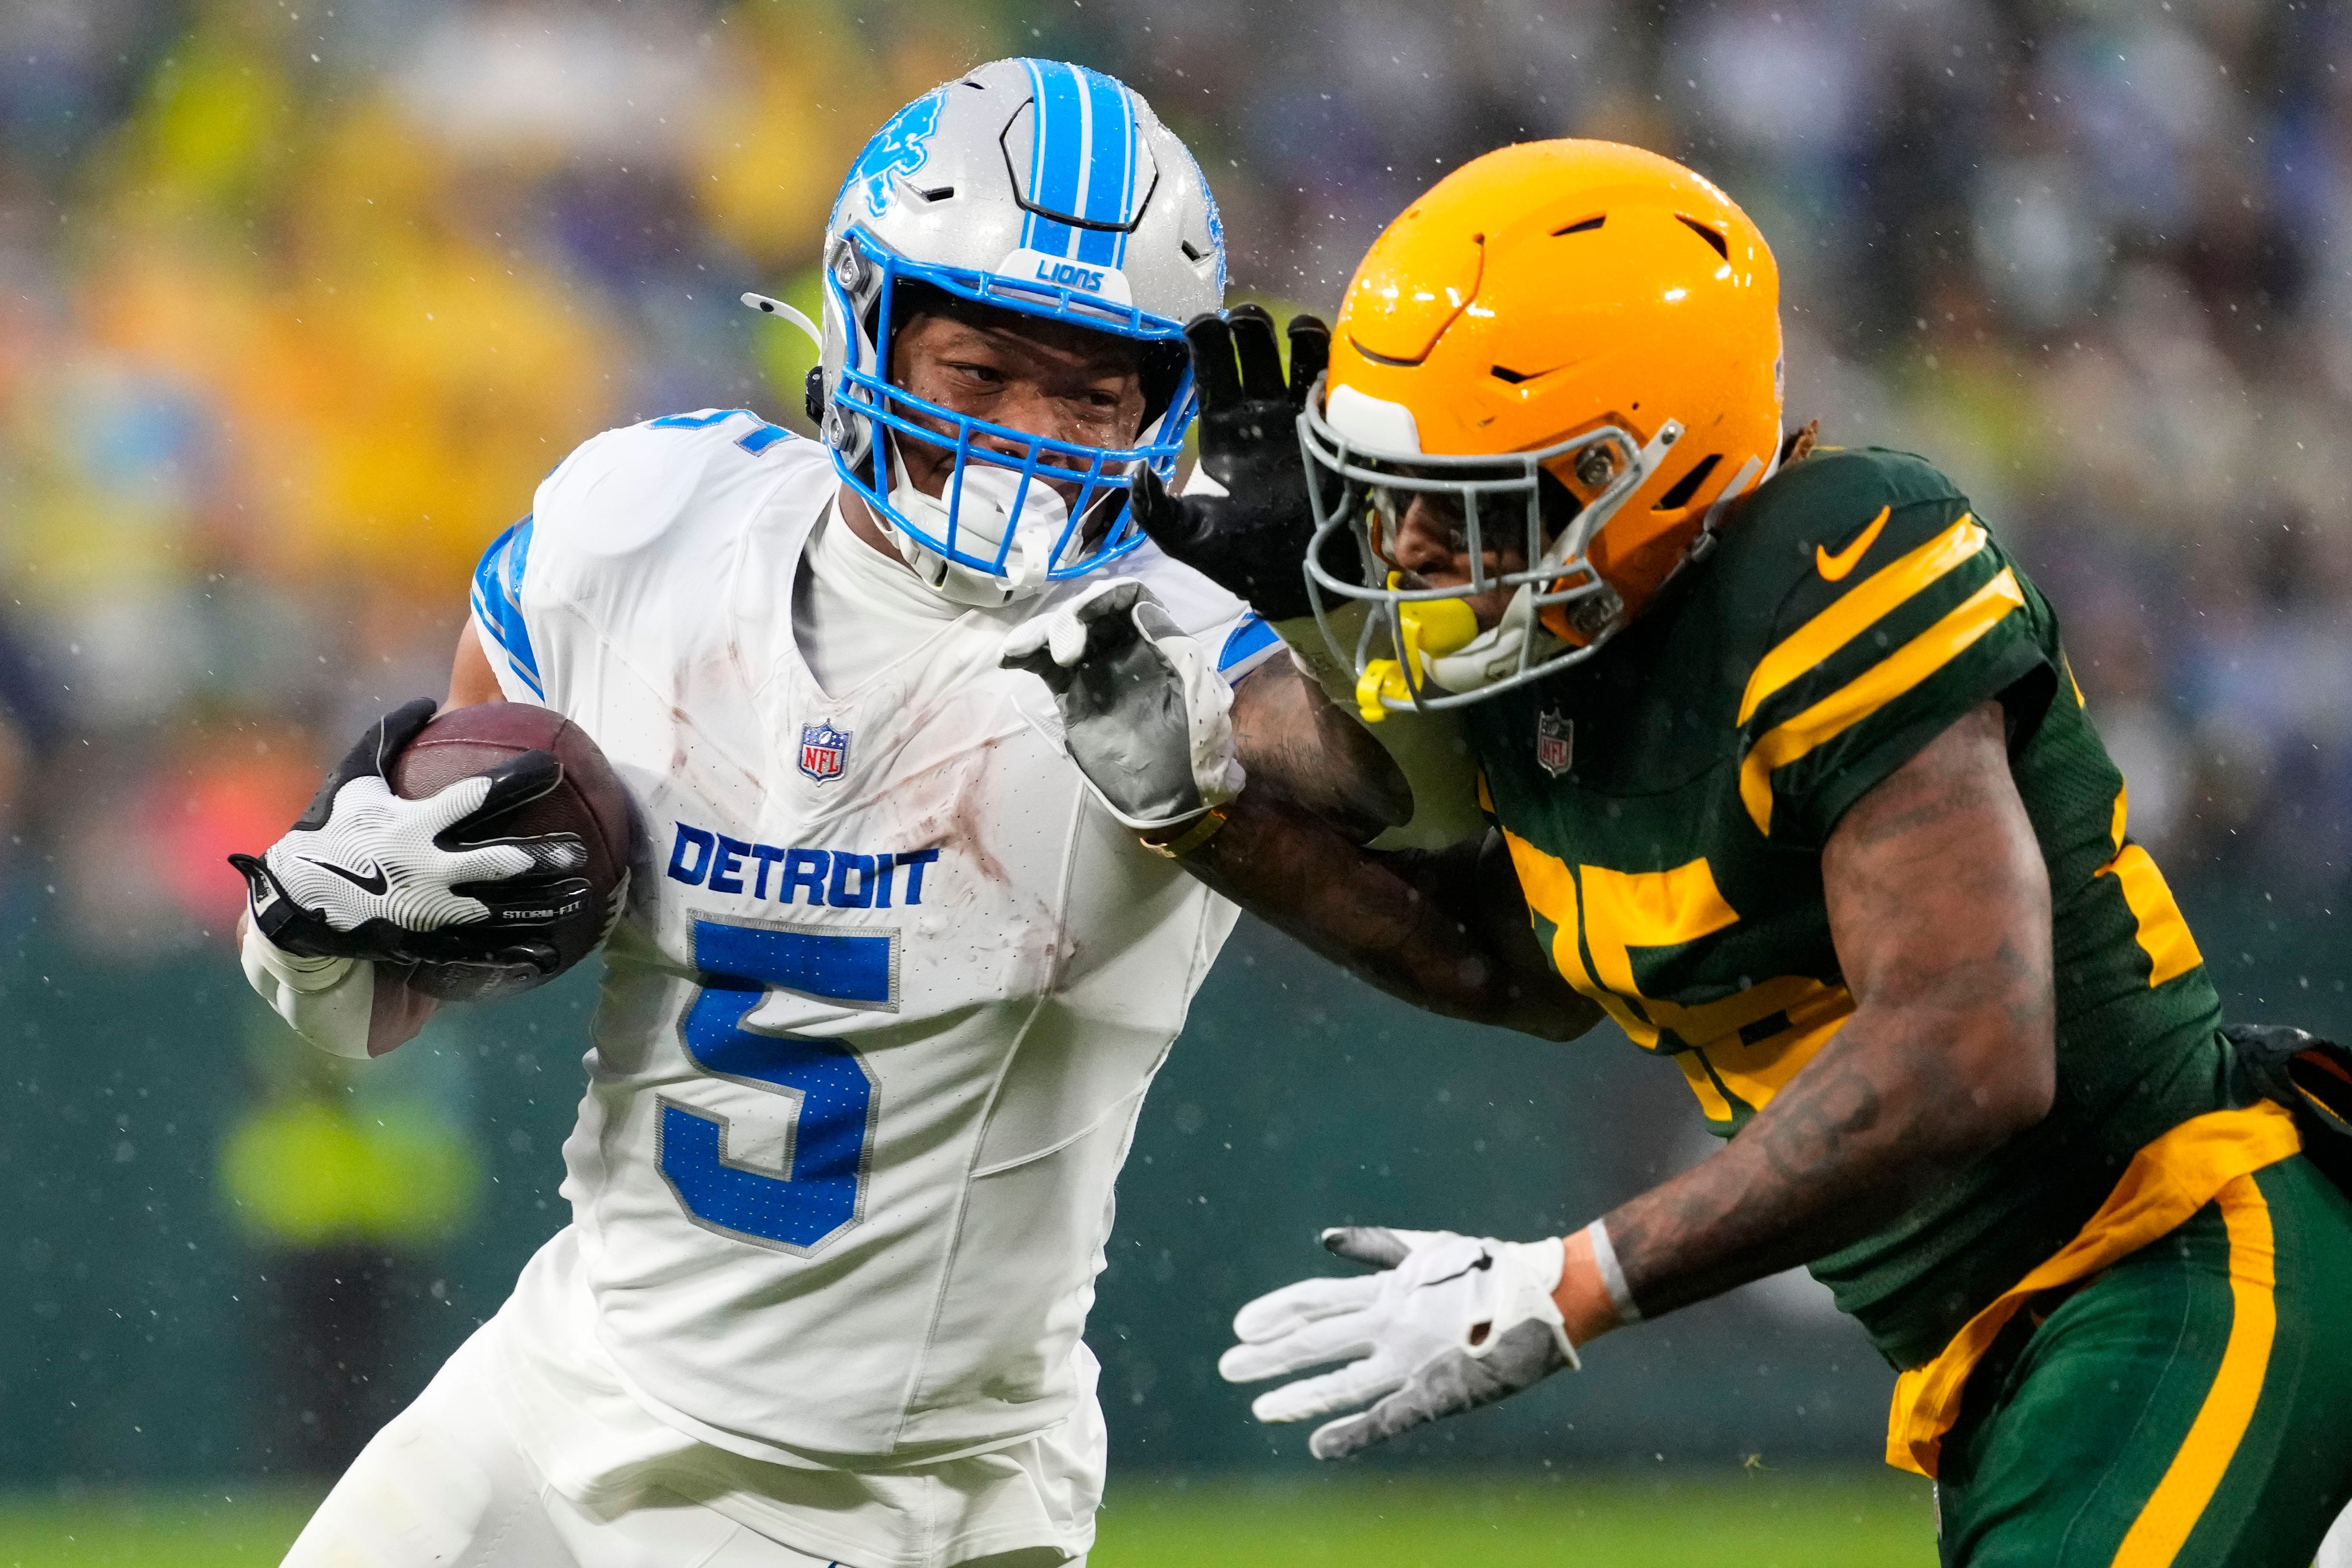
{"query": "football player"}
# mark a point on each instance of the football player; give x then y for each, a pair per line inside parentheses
(890, 984)
(1789, 779)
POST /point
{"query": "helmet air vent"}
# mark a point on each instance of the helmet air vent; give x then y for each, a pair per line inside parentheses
(1505, 373)
(1192, 252)
(1687, 486)
(1584, 226)
(938, 193)
(1713, 237)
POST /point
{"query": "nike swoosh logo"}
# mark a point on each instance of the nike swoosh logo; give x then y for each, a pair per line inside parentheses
(373, 885)
(1833, 568)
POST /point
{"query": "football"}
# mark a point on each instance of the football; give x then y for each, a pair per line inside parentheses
(589, 802)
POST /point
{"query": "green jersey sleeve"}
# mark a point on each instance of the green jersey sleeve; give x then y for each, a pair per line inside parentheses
(1894, 614)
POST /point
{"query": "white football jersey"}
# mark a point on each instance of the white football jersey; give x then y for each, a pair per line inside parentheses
(879, 1018)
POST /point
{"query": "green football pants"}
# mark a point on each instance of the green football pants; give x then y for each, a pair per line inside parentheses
(2191, 1407)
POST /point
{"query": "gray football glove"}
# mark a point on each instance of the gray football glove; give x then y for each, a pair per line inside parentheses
(1145, 714)
(1451, 1324)
(364, 874)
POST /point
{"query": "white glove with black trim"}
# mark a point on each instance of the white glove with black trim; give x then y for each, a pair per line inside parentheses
(1145, 714)
(364, 874)
(1451, 1324)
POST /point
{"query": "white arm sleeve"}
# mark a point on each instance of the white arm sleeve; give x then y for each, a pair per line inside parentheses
(327, 1000)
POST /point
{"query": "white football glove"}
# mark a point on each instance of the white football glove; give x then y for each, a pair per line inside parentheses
(1145, 714)
(1451, 1324)
(365, 874)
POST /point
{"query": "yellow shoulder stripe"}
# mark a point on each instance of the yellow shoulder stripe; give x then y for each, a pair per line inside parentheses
(1873, 688)
(1858, 611)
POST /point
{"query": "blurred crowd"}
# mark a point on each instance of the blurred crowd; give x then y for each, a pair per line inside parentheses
(300, 299)
(296, 305)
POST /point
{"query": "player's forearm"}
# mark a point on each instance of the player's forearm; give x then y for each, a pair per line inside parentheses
(1287, 736)
(396, 1014)
(1939, 907)
(1364, 912)
(1873, 1124)
(346, 1007)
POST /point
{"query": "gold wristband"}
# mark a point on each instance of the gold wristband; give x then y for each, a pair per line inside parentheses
(1205, 826)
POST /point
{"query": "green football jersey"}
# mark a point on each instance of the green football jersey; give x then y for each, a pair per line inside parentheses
(1666, 802)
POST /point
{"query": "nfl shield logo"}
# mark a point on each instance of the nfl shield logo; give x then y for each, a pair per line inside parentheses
(1555, 743)
(823, 749)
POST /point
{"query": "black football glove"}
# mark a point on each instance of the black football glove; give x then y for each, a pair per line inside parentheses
(365, 874)
(1252, 539)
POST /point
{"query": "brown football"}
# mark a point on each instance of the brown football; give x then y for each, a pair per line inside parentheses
(590, 802)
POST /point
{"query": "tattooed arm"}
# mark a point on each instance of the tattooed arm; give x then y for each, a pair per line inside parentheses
(1292, 740)
(1940, 906)
(1446, 930)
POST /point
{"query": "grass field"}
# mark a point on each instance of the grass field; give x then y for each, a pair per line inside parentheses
(1760, 1518)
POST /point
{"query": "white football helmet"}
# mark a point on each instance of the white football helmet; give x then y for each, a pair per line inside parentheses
(1035, 186)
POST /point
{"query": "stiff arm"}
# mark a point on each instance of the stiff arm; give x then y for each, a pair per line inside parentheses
(1444, 930)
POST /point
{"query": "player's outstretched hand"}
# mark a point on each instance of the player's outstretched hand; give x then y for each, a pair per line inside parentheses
(365, 874)
(1451, 1322)
(1248, 531)
(1144, 713)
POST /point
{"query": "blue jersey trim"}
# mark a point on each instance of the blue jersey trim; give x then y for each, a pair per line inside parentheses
(763, 436)
(1251, 637)
(498, 601)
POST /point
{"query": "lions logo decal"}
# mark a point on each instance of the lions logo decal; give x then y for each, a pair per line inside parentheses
(897, 149)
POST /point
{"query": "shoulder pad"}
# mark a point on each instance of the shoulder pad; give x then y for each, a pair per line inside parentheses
(621, 491)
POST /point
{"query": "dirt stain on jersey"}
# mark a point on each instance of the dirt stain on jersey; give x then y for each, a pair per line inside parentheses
(955, 823)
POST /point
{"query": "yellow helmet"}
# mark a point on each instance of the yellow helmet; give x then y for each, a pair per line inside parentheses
(1578, 310)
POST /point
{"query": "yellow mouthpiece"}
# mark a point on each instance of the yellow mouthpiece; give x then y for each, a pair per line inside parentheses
(1433, 629)
(1436, 627)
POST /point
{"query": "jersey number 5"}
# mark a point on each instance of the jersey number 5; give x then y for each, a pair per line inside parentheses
(797, 1190)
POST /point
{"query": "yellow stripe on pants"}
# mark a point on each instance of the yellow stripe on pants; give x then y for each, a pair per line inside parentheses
(2190, 1480)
